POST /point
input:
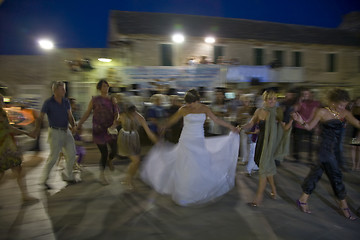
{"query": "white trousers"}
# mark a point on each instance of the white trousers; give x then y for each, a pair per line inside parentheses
(251, 163)
(244, 146)
(60, 140)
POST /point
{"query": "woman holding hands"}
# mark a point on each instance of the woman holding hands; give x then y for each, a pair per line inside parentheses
(128, 141)
(105, 115)
(332, 119)
(197, 170)
(272, 143)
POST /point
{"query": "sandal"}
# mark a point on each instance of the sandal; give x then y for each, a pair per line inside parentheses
(347, 214)
(303, 207)
(252, 204)
(273, 195)
(129, 185)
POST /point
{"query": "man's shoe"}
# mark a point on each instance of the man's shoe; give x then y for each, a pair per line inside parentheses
(45, 186)
(66, 179)
(70, 182)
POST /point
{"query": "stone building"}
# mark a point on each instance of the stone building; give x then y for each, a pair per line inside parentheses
(327, 57)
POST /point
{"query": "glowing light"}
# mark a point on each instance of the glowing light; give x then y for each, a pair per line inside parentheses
(46, 44)
(178, 38)
(209, 40)
(105, 59)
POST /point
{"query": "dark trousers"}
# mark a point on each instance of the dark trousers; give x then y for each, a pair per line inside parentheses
(105, 155)
(329, 164)
(299, 137)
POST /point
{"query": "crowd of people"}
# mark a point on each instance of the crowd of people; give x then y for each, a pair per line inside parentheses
(197, 146)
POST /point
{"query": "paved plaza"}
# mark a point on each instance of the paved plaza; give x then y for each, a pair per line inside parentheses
(89, 210)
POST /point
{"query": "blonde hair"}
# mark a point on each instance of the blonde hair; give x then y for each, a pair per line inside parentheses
(156, 97)
(269, 94)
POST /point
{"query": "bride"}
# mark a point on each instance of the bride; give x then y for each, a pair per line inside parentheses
(197, 169)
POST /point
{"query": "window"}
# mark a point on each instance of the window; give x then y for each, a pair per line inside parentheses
(218, 52)
(297, 59)
(258, 56)
(166, 54)
(331, 62)
(279, 57)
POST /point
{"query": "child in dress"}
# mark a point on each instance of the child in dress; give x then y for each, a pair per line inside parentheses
(80, 149)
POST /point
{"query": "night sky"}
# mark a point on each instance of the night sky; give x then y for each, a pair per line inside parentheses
(84, 24)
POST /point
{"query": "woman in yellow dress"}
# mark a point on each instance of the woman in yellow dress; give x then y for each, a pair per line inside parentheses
(10, 155)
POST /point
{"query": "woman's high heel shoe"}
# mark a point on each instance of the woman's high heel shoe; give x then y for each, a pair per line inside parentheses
(303, 206)
(347, 214)
(273, 195)
(252, 204)
(129, 185)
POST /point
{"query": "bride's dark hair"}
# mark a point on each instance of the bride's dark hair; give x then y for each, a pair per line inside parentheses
(192, 96)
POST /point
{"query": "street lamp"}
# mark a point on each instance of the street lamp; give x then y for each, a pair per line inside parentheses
(210, 40)
(46, 44)
(102, 59)
(104, 56)
(178, 38)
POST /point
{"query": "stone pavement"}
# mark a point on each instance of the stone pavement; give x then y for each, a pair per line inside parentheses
(89, 210)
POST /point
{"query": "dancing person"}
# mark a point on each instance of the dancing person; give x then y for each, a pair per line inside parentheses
(307, 108)
(332, 119)
(272, 142)
(156, 113)
(197, 170)
(243, 116)
(79, 144)
(10, 155)
(105, 116)
(128, 141)
(37, 146)
(220, 110)
(75, 109)
(173, 133)
(252, 138)
(289, 103)
(355, 148)
(60, 138)
(80, 148)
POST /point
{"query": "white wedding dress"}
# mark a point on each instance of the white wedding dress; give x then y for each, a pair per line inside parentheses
(197, 169)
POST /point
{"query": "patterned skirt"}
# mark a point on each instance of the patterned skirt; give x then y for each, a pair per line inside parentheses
(10, 155)
(128, 143)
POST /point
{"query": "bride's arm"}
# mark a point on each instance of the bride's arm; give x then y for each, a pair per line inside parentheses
(175, 117)
(219, 121)
(143, 123)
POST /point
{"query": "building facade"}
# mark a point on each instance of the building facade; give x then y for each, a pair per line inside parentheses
(327, 57)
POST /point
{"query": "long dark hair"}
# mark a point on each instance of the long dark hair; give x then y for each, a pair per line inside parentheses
(192, 96)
